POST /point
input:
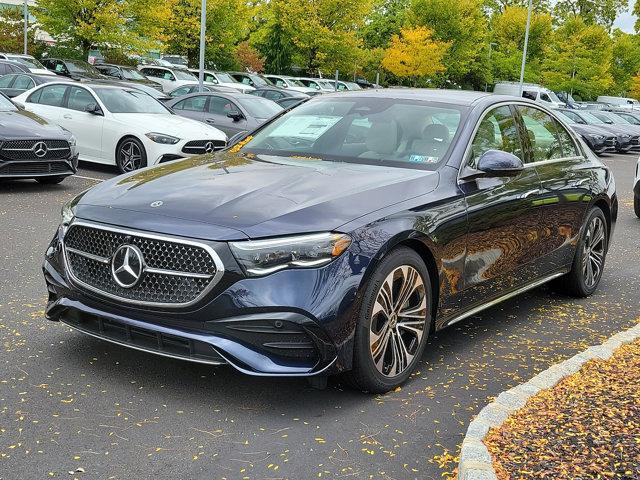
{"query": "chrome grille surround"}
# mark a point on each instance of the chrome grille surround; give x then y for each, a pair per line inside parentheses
(171, 278)
(199, 146)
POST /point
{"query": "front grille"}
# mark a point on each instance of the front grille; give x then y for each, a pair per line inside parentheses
(24, 150)
(610, 142)
(34, 168)
(201, 146)
(175, 272)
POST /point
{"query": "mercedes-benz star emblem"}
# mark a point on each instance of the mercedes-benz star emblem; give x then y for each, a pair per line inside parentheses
(40, 149)
(127, 266)
(208, 148)
(156, 204)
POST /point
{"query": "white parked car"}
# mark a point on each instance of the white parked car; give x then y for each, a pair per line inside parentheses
(119, 125)
(532, 91)
(28, 61)
(223, 79)
(636, 191)
(169, 78)
(290, 83)
(624, 103)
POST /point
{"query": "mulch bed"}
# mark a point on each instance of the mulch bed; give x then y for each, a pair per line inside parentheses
(586, 427)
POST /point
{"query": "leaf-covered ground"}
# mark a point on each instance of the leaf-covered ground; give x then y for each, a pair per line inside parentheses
(586, 427)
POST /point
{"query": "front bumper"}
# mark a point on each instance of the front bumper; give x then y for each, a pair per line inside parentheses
(280, 325)
(39, 168)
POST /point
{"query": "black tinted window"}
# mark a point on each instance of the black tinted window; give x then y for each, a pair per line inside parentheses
(51, 95)
(497, 131)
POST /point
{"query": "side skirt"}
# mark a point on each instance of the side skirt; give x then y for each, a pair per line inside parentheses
(504, 297)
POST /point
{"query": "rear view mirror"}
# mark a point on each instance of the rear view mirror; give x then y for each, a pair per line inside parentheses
(499, 163)
(236, 116)
(93, 108)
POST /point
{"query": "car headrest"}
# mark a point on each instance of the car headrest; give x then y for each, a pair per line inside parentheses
(383, 137)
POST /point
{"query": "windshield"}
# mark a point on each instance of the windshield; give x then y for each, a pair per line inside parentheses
(27, 62)
(591, 119)
(295, 81)
(131, 74)
(225, 78)
(553, 96)
(375, 131)
(603, 117)
(81, 67)
(184, 75)
(260, 107)
(618, 119)
(6, 105)
(120, 100)
(565, 118)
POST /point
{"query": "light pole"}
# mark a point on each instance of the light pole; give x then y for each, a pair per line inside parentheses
(526, 44)
(203, 30)
(26, 22)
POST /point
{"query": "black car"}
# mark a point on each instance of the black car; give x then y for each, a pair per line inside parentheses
(625, 140)
(31, 147)
(597, 139)
(8, 66)
(74, 69)
(613, 119)
(338, 236)
(127, 74)
(276, 93)
(14, 84)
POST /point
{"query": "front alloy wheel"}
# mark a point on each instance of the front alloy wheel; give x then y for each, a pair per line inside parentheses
(393, 322)
(131, 155)
(398, 321)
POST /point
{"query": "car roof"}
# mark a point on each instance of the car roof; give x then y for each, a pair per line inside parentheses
(459, 97)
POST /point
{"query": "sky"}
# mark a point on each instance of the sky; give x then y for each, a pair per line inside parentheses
(626, 21)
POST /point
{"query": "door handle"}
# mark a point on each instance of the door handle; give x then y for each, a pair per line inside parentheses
(67, 116)
(210, 120)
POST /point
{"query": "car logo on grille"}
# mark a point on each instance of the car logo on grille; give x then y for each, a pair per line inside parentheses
(40, 149)
(127, 266)
(208, 148)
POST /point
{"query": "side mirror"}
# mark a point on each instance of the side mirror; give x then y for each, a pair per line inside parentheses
(93, 109)
(236, 116)
(498, 163)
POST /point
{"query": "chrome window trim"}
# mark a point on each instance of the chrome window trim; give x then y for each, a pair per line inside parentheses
(467, 151)
(136, 233)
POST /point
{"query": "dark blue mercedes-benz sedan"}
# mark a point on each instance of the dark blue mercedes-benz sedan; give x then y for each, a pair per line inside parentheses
(337, 236)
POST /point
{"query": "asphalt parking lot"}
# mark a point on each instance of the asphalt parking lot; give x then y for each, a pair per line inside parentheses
(70, 403)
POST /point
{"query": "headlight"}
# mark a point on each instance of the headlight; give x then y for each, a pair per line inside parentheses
(67, 213)
(72, 141)
(161, 138)
(262, 257)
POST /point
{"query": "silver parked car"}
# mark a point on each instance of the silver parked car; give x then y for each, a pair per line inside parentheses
(231, 113)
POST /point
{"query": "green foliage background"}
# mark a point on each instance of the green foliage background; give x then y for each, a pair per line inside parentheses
(573, 45)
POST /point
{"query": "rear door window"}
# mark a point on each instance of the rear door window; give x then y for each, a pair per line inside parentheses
(193, 104)
(23, 83)
(6, 80)
(52, 95)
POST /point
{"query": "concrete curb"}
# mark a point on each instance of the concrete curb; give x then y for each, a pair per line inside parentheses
(475, 461)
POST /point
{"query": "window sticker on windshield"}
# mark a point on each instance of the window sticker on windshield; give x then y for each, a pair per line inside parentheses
(423, 159)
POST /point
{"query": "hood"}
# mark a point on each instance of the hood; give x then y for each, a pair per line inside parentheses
(590, 130)
(256, 197)
(169, 124)
(24, 124)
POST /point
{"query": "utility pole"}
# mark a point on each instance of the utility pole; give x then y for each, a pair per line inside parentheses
(526, 44)
(203, 31)
(26, 25)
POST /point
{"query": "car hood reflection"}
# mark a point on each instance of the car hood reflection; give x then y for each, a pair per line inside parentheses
(260, 196)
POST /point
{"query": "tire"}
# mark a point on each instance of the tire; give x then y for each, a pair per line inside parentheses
(130, 155)
(377, 366)
(636, 205)
(589, 260)
(50, 180)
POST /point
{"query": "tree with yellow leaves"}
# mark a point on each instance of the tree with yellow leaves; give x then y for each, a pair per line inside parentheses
(415, 54)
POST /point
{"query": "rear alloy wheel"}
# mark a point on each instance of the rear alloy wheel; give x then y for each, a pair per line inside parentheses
(394, 324)
(588, 263)
(131, 155)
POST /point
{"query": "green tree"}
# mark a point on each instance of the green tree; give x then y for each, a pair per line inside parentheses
(463, 23)
(385, 19)
(227, 25)
(578, 59)
(602, 12)
(84, 24)
(626, 61)
(12, 32)
(273, 38)
(508, 31)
